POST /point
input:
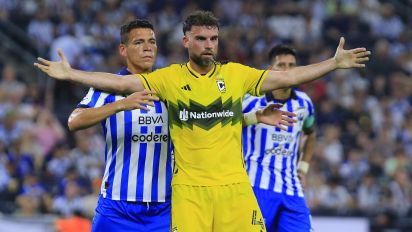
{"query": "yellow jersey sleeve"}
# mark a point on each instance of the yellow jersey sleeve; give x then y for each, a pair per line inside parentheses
(155, 81)
(253, 78)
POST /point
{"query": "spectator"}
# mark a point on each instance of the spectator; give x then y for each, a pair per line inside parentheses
(334, 196)
(368, 195)
(69, 203)
(48, 130)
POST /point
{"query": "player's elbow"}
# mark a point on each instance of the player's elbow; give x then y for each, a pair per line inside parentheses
(74, 121)
(72, 124)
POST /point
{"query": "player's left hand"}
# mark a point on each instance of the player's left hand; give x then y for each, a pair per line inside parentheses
(273, 115)
(354, 58)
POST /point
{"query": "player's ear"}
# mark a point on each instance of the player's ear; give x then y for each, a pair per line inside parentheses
(122, 50)
(185, 41)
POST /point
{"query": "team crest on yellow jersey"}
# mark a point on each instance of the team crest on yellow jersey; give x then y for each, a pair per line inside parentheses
(221, 85)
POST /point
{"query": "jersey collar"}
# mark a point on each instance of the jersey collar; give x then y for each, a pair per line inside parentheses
(197, 75)
(124, 71)
(269, 97)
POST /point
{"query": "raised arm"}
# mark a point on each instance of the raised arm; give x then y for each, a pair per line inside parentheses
(82, 118)
(343, 59)
(61, 70)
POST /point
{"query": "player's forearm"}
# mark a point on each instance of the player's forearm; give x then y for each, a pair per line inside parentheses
(85, 118)
(309, 147)
(298, 75)
(250, 118)
(106, 81)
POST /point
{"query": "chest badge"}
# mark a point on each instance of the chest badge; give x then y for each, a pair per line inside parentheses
(221, 86)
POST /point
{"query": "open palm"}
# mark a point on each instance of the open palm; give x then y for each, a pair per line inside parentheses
(56, 69)
(353, 58)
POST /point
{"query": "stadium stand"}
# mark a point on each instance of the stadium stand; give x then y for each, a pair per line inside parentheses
(362, 165)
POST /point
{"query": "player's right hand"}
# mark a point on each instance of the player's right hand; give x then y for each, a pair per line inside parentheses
(354, 58)
(139, 100)
(56, 69)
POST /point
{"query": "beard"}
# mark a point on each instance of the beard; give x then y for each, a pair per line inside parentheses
(202, 62)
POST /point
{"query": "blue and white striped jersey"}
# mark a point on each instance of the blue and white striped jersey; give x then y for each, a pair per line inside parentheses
(271, 154)
(138, 163)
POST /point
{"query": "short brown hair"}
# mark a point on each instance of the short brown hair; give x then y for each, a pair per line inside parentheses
(200, 18)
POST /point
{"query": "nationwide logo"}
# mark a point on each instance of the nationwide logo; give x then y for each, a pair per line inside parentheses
(185, 115)
(205, 117)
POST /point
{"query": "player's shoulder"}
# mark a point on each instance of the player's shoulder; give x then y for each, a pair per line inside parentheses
(301, 94)
(249, 98)
(170, 68)
(163, 73)
(178, 66)
(228, 64)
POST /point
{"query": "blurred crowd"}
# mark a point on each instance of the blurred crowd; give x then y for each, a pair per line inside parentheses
(362, 164)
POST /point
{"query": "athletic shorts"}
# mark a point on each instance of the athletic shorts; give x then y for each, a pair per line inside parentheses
(223, 208)
(122, 216)
(283, 213)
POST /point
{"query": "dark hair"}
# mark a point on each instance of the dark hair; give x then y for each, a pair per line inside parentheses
(200, 18)
(281, 49)
(126, 28)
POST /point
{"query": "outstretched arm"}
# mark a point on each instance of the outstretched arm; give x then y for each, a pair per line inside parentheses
(270, 115)
(61, 70)
(82, 118)
(343, 59)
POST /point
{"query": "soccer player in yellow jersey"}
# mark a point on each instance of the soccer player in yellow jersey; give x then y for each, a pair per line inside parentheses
(210, 187)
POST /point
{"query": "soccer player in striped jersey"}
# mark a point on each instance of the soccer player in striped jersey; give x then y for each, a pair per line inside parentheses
(135, 191)
(272, 155)
(211, 190)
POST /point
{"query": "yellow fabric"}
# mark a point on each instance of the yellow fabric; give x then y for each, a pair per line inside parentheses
(215, 208)
(205, 119)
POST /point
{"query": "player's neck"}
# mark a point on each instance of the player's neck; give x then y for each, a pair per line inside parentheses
(282, 94)
(201, 69)
(136, 70)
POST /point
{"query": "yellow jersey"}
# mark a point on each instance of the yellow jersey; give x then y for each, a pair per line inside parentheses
(205, 119)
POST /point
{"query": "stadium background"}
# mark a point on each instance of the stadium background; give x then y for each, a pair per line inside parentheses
(362, 164)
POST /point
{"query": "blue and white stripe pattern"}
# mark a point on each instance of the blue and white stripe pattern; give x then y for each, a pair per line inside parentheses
(138, 162)
(271, 154)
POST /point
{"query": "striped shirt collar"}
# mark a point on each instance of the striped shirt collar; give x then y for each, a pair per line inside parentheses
(269, 96)
(124, 71)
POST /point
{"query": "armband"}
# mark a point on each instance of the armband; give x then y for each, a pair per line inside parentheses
(303, 166)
